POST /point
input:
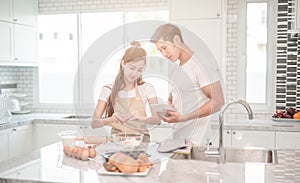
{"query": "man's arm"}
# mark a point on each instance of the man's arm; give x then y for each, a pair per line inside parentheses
(216, 100)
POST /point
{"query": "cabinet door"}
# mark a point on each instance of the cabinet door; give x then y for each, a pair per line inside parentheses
(6, 31)
(46, 134)
(6, 10)
(195, 9)
(242, 138)
(4, 144)
(25, 43)
(21, 140)
(25, 12)
(288, 140)
(209, 31)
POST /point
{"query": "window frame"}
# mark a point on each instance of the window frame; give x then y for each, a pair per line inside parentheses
(267, 107)
(65, 106)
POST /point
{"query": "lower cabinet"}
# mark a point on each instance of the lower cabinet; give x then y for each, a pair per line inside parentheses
(4, 144)
(15, 141)
(46, 134)
(241, 138)
(20, 140)
(244, 138)
(287, 140)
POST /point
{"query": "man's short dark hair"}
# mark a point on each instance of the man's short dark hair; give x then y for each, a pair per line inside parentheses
(166, 32)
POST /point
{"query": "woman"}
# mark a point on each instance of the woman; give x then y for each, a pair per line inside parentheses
(125, 100)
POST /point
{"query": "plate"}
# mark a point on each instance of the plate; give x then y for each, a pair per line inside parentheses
(285, 120)
(103, 171)
(161, 107)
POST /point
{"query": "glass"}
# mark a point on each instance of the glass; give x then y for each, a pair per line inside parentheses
(68, 138)
(257, 34)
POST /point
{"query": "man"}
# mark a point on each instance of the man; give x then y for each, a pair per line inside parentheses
(197, 90)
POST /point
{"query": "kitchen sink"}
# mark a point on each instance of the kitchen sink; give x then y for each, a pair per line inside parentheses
(77, 117)
(233, 155)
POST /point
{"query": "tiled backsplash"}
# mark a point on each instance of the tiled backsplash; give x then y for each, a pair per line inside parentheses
(23, 77)
(288, 64)
(54, 6)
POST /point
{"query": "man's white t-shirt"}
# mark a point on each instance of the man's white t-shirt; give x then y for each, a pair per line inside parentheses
(186, 83)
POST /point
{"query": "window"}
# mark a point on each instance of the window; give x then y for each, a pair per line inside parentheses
(64, 39)
(57, 50)
(256, 44)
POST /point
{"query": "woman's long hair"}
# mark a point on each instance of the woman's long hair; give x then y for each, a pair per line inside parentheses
(132, 54)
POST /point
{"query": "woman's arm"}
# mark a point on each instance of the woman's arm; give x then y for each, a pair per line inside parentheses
(97, 121)
(154, 119)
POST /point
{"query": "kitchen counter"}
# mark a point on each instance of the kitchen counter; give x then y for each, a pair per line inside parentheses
(238, 124)
(51, 165)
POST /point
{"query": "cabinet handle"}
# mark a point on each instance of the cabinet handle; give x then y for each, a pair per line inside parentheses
(218, 14)
(15, 19)
(16, 59)
(14, 130)
(233, 133)
(227, 132)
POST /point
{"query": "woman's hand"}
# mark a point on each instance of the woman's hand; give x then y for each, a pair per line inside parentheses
(118, 118)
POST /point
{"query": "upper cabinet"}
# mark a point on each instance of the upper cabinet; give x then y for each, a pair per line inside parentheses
(206, 20)
(18, 32)
(25, 12)
(195, 9)
(19, 11)
(6, 10)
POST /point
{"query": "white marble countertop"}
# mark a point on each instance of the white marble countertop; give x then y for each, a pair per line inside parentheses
(237, 124)
(51, 165)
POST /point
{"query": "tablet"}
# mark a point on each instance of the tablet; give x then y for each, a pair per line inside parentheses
(162, 108)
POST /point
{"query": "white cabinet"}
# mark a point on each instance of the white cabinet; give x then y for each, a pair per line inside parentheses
(6, 43)
(18, 32)
(25, 12)
(19, 11)
(4, 144)
(20, 140)
(195, 9)
(25, 43)
(209, 31)
(6, 10)
(45, 134)
(287, 140)
(15, 141)
(242, 138)
(205, 19)
(246, 138)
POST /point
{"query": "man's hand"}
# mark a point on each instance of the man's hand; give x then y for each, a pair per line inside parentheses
(171, 117)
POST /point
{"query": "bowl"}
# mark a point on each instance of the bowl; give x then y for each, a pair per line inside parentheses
(130, 139)
(68, 137)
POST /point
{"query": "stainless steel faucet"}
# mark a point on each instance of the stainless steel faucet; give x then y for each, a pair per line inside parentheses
(221, 122)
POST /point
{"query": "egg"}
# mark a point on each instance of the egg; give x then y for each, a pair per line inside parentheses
(85, 155)
(92, 153)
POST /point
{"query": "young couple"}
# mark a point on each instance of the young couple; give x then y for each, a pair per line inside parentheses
(196, 95)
